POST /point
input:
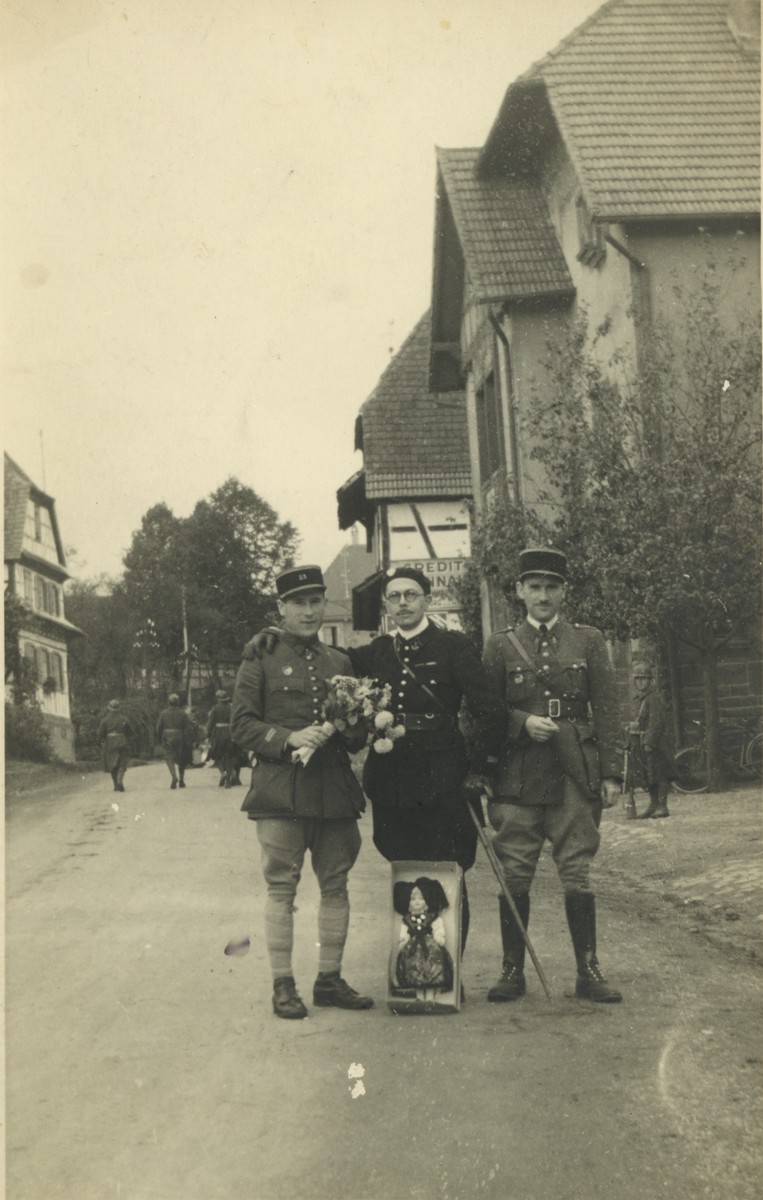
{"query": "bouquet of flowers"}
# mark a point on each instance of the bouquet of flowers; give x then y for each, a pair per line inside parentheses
(351, 700)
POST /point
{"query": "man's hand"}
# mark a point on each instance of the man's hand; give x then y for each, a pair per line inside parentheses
(312, 736)
(263, 642)
(610, 793)
(479, 784)
(541, 729)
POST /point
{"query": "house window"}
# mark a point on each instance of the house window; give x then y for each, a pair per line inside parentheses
(592, 250)
(57, 671)
(39, 594)
(43, 664)
(29, 587)
(30, 657)
(37, 523)
(490, 437)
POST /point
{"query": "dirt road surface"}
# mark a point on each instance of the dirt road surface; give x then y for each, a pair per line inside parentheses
(144, 1063)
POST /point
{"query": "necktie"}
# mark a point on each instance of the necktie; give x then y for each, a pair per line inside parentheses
(543, 630)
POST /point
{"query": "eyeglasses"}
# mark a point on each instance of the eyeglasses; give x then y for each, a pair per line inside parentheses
(396, 597)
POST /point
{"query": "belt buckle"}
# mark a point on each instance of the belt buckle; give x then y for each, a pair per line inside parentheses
(555, 708)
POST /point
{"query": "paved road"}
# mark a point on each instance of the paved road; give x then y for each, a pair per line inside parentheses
(144, 1064)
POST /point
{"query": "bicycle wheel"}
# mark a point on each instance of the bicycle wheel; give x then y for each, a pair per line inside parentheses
(691, 770)
(754, 756)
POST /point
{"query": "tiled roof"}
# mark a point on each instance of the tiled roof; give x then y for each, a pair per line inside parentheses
(415, 442)
(658, 106)
(16, 487)
(510, 248)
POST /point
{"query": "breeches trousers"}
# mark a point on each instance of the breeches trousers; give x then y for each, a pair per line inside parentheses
(571, 827)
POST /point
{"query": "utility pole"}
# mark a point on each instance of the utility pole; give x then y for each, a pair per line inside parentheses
(186, 647)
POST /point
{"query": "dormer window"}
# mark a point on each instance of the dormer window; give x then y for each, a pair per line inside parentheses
(592, 250)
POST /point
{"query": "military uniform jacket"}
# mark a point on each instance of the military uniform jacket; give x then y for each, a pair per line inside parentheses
(656, 741)
(218, 729)
(114, 734)
(276, 694)
(431, 760)
(574, 670)
(174, 733)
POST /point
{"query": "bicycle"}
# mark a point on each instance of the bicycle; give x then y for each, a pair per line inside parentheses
(741, 746)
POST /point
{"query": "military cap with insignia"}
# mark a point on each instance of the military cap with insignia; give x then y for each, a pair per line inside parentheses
(541, 560)
(299, 579)
(408, 573)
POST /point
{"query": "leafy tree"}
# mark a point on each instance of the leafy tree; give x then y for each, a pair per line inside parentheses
(198, 586)
(652, 487)
(19, 673)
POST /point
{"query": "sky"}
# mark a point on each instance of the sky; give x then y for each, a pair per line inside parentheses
(217, 223)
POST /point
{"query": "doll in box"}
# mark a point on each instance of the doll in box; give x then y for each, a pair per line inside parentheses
(423, 960)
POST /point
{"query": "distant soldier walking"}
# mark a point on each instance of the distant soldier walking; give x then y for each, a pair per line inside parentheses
(560, 765)
(222, 749)
(174, 732)
(114, 734)
(655, 742)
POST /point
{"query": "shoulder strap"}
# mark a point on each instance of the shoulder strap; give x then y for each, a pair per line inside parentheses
(520, 649)
(407, 670)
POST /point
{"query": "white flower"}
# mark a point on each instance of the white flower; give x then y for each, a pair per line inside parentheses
(383, 720)
(397, 731)
(383, 745)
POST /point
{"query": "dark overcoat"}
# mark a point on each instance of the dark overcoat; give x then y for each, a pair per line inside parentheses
(573, 671)
(175, 735)
(656, 739)
(275, 695)
(431, 761)
(114, 734)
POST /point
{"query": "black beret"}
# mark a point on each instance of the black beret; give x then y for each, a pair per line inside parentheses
(408, 573)
(299, 579)
(543, 561)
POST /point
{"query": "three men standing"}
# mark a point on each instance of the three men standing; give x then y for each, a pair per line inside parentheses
(560, 765)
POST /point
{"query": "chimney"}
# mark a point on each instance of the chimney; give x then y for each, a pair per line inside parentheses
(743, 19)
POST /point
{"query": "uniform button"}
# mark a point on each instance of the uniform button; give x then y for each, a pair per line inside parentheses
(546, 667)
(545, 653)
(546, 693)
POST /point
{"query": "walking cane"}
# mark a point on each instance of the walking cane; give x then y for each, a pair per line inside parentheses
(494, 863)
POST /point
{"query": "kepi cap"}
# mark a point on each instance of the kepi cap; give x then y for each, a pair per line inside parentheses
(299, 579)
(408, 573)
(542, 560)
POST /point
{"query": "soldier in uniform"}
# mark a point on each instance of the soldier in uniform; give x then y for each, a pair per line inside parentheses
(560, 765)
(114, 734)
(417, 790)
(277, 709)
(655, 742)
(175, 734)
(222, 751)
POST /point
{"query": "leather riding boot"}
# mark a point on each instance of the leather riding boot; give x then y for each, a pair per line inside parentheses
(651, 807)
(581, 918)
(512, 984)
(287, 1002)
(660, 797)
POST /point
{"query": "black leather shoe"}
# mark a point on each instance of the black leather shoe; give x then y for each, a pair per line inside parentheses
(173, 785)
(182, 783)
(510, 986)
(287, 1002)
(591, 985)
(331, 991)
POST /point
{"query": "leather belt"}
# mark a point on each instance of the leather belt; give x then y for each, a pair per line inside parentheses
(555, 707)
(422, 722)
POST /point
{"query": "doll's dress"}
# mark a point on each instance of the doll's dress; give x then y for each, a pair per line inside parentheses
(421, 962)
